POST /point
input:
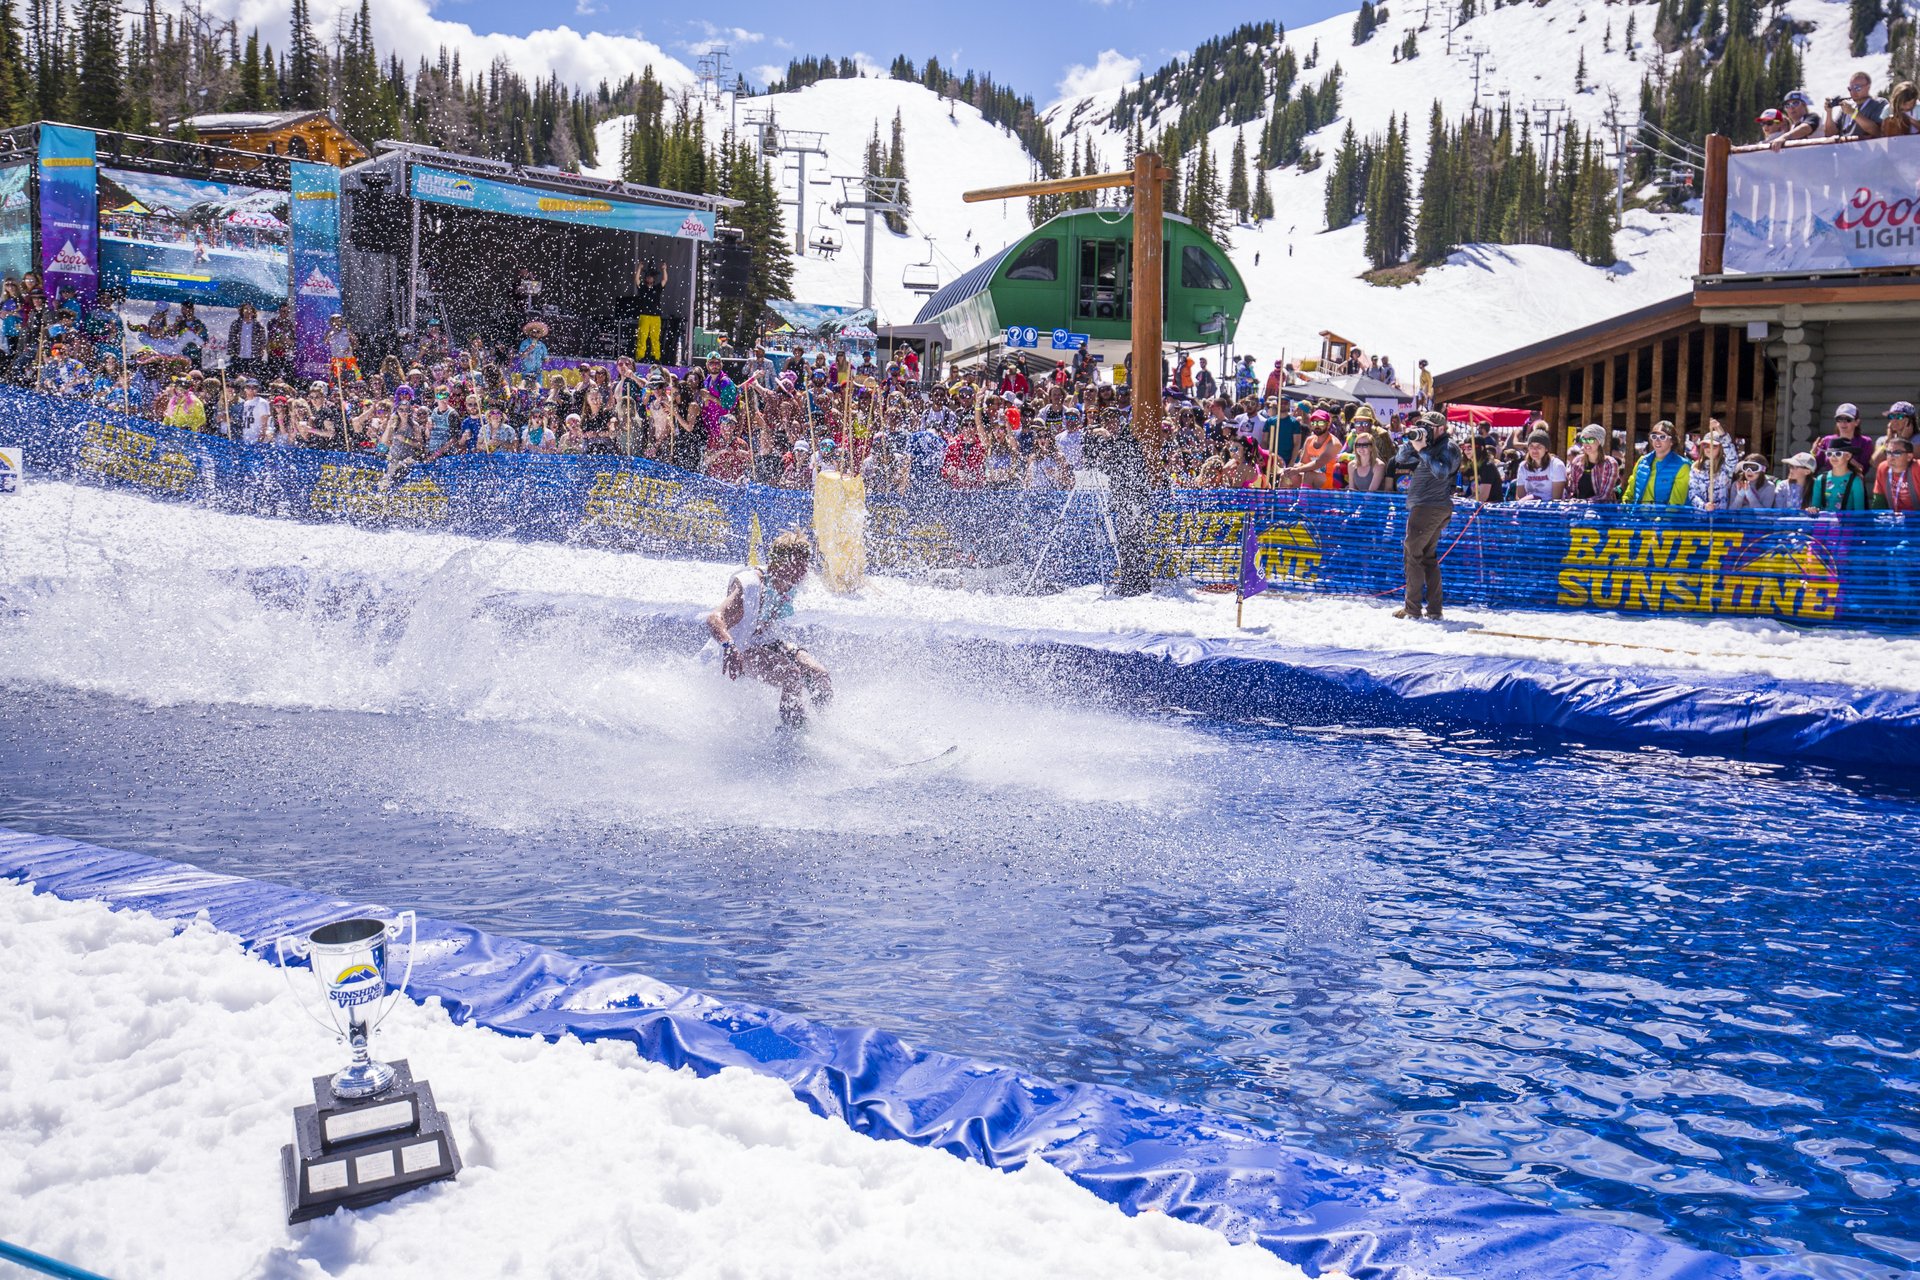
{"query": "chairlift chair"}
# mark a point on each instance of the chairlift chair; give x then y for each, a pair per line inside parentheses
(824, 241)
(921, 277)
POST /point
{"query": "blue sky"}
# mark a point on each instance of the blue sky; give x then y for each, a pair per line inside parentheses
(1032, 46)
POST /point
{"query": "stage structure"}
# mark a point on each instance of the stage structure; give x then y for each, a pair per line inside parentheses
(482, 247)
(159, 223)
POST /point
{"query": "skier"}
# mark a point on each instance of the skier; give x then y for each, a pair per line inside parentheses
(749, 628)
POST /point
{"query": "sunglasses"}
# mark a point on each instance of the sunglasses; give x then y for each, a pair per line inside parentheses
(1659, 435)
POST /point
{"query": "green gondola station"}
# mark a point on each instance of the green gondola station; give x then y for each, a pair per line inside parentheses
(1074, 272)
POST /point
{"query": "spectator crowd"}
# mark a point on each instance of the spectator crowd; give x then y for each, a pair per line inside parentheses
(779, 418)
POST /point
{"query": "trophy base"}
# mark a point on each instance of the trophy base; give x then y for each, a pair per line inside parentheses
(352, 1154)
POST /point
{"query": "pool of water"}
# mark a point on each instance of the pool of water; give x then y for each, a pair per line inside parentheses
(1678, 992)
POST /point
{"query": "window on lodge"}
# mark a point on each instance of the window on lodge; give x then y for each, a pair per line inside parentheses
(1038, 261)
(1103, 280)
(1198, 270)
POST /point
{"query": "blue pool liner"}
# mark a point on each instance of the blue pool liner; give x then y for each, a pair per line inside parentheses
(1140, 1153)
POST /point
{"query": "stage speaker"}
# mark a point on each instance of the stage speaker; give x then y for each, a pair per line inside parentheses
(731, 270)
(379, 222)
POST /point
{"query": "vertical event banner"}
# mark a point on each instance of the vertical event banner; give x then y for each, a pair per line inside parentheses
(16, 221)
(1824, 207)
(316, 263)
(69, 212)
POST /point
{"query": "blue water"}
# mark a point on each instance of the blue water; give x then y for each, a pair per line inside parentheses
(1678, 992)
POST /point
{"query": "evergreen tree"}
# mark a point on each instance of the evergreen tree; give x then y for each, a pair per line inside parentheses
(1343, 189)
(1365, 23)
(1410, 47)
(1239, 196)
(1262, 197)
(1433, 237)
(1580, 72)
(897, 168)
(251, 95)
(1389, 190)
(14, 86)
(99, 99)
(1630, 40)
(1862, 17)
(306, 79)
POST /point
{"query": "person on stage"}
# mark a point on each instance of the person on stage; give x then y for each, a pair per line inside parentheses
(650, 288)
(750, 629)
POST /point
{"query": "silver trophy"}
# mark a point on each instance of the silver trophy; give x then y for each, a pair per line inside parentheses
(349, 959)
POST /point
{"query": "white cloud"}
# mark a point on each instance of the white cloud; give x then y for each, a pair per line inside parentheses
(1111, 71)
(408, 27)
(714, 37)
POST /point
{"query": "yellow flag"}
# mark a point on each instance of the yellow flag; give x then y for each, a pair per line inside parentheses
(754, 538)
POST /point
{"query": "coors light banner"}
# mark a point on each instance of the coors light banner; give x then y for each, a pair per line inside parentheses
(1833, 207)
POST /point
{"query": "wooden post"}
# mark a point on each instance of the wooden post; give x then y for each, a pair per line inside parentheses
(1732, 401)
(1633, 391)
(1659, 387)
(1713, 208)
(1148, 178)
(1684, 375)
(1709, 349)
(1149, 255)
(1758, 403)
(1611, 394)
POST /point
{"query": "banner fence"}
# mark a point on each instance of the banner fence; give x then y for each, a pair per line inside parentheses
(1854, 569)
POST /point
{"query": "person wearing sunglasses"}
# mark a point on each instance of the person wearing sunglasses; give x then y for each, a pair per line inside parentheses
(1894, 486)
(1662, 475)
(1752, 490)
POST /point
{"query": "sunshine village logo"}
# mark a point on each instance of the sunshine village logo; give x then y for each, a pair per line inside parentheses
(444, 186)
(1774, 575)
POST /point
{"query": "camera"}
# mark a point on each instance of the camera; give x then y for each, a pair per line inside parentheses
(1834, 102)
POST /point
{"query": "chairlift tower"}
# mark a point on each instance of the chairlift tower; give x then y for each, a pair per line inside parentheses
(876, 196)
(773, 140)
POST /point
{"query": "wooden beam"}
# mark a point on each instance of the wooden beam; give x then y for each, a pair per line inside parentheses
(1713, 207)
(1756, 418)
(1149, 254)
(1730, 419)
(1633, 391)
(1685, 374)
(1608, 420)
(1053, 186)
(1658, 408)
(1810, 295)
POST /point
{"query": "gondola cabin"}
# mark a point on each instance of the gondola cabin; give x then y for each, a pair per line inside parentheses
(1075, 272)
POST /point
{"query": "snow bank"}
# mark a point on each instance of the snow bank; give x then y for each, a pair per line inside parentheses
(151, 1074)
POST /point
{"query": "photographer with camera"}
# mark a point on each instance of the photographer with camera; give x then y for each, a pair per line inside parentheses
(1860, 112)
(1430, 458)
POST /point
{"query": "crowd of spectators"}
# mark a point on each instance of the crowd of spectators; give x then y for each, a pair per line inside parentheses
(779, 418)
(1855, 115)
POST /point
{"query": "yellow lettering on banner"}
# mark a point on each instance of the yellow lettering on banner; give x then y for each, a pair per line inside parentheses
(1680, 571)
(351, 491)
(1583, 546)
(654, 508)
(893, 542)
(121, 453)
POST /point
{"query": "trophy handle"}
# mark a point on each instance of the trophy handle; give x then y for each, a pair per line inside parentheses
(287, 944)
(409, 921)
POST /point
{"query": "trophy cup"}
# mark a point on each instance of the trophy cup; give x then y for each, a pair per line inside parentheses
(372, 1131)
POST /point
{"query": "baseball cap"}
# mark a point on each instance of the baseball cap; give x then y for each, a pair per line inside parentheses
(1899, 409)
(1848, 410)
(1767, 117)
(1801, 460)
(1800, 96)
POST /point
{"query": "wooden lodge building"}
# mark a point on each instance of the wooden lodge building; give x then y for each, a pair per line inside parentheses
(1795, 310)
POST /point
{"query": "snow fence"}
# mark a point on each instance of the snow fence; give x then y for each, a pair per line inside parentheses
(1856, 569)
(1141, 1153)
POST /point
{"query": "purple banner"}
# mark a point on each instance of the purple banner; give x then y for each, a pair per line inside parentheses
(69, 212)
(316, 264)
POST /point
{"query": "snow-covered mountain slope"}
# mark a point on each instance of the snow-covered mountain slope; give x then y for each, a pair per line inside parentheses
(1486, 299)
(949, 149)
